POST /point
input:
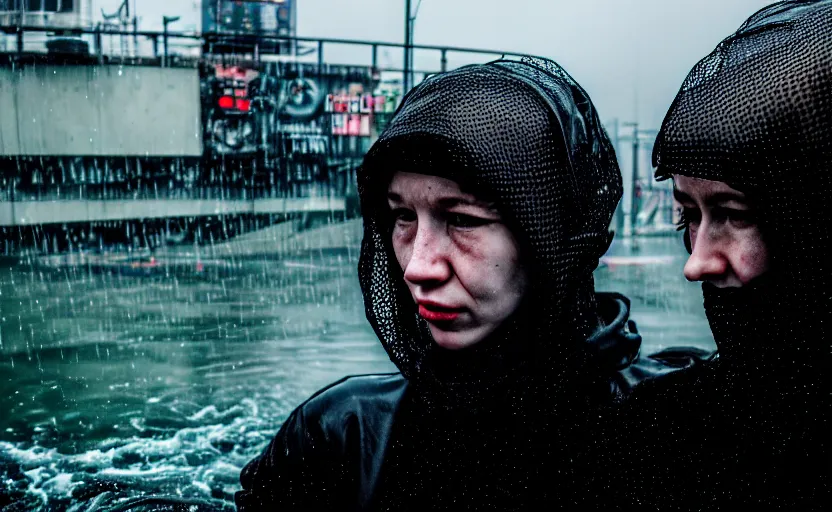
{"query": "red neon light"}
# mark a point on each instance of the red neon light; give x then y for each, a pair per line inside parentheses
(244, 105)
(226, 102)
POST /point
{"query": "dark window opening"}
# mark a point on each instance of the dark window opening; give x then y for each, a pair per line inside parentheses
(50, 5)
(67, 5)
(33, 5)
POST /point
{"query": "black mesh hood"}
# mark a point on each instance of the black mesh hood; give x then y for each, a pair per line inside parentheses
(757, 114)
(525, 134)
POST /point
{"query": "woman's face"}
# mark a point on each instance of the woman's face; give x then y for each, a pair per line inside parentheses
(460, 262)
(727, 248)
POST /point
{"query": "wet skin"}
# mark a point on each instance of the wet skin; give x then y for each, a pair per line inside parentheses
(460, 261)
(727, 247)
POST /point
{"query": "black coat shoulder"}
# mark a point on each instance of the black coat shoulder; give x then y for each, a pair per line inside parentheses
(369, 394)
(617, 348)
(329, 450)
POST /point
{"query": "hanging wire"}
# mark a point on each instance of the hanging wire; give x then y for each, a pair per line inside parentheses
(416, 11)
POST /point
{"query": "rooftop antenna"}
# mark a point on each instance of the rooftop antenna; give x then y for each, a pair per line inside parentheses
(122, 14)
(119, 19)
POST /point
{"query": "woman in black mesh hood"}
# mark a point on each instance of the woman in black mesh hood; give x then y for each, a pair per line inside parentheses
(506, 352)
(748, 142)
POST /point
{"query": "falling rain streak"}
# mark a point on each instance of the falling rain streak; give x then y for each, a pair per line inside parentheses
(169, 293)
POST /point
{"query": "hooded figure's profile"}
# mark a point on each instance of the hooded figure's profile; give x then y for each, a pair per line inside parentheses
(748, 143)
(486, 204)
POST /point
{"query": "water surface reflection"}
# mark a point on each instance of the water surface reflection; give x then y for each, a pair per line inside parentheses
(169, 383)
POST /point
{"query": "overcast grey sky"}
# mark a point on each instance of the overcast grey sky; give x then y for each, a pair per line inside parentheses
(614, 48)
(630, 55)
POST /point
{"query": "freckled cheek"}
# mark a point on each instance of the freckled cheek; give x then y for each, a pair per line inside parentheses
(478, 262)
(402, 250)
(514, 283)
(761, 257)
(753, 258)
(471, 247)
(509, 273)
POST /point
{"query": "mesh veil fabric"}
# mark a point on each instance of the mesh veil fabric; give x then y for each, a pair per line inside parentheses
(526, 135)
(751, 427)
(757, 114)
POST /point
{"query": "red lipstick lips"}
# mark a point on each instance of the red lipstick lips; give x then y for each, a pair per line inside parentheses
(435, 312)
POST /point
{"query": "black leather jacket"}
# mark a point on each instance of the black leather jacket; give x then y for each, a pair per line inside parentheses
(330, 451)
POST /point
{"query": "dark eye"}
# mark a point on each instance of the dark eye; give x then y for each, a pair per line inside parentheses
(688, 216)
(401, 215)
(460, 220)
(737, 218)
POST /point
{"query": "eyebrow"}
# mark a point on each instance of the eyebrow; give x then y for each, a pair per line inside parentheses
(715, 199)
(449, 202)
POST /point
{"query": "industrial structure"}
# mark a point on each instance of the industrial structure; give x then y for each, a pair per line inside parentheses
(112, 136)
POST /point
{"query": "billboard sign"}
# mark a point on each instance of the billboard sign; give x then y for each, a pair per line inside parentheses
(248, 16)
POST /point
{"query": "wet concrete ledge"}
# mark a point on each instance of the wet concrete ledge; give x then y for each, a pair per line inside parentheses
(281, 240)
(28, 213)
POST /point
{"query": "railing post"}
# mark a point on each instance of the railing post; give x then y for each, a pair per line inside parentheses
(165, 46)
(634, 190)
(99, 45)
(320, 57)
(19, 40)
(444, 60)
(408, 60)
(375, 57)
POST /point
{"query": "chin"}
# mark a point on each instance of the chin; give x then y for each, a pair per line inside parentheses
(456, 340)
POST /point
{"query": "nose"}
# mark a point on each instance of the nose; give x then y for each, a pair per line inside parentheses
(707, 261)
(428, 264)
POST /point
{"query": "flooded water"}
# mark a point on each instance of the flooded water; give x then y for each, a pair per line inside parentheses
(668, 309)
(121, 387)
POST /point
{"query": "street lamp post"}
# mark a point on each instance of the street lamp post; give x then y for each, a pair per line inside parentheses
(409, 22)
(166, 20)
(408, 37)
(634, 180)
(636, 192)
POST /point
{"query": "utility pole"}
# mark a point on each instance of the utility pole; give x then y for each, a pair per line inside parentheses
(634, 179)
(167, 20)
(634, 206)
(409, 22)
(407, 47)
(619, 212)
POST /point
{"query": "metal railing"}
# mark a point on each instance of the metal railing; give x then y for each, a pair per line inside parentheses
(178, 48)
